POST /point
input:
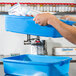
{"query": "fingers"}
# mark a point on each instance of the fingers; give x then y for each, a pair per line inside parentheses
(61, 17)
(36, 17)
(42, 24)
(65, 17)
(37, 22)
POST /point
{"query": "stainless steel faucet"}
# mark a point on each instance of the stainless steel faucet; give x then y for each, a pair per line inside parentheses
(38, 47)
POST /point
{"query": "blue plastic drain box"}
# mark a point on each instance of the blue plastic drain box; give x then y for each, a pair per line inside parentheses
(36, 65)
(26, 25)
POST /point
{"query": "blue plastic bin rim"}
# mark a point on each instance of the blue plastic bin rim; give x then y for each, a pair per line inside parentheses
(68, 59)
(21, 17)
(31, 18)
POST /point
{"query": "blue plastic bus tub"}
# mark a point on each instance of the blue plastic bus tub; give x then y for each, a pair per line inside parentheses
(36, 65)
(26, 25)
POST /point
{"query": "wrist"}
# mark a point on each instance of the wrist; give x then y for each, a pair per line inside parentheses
(53, 20)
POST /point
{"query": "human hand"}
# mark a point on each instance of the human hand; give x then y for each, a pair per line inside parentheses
(66, 17)
(44, 18)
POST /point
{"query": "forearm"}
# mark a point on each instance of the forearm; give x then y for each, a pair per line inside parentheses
(65, 30)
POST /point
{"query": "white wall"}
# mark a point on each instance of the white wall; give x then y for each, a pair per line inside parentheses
(14, 43)
(10, 42)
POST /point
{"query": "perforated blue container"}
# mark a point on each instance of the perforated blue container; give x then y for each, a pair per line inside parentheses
(36, 65)
(26, 25)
